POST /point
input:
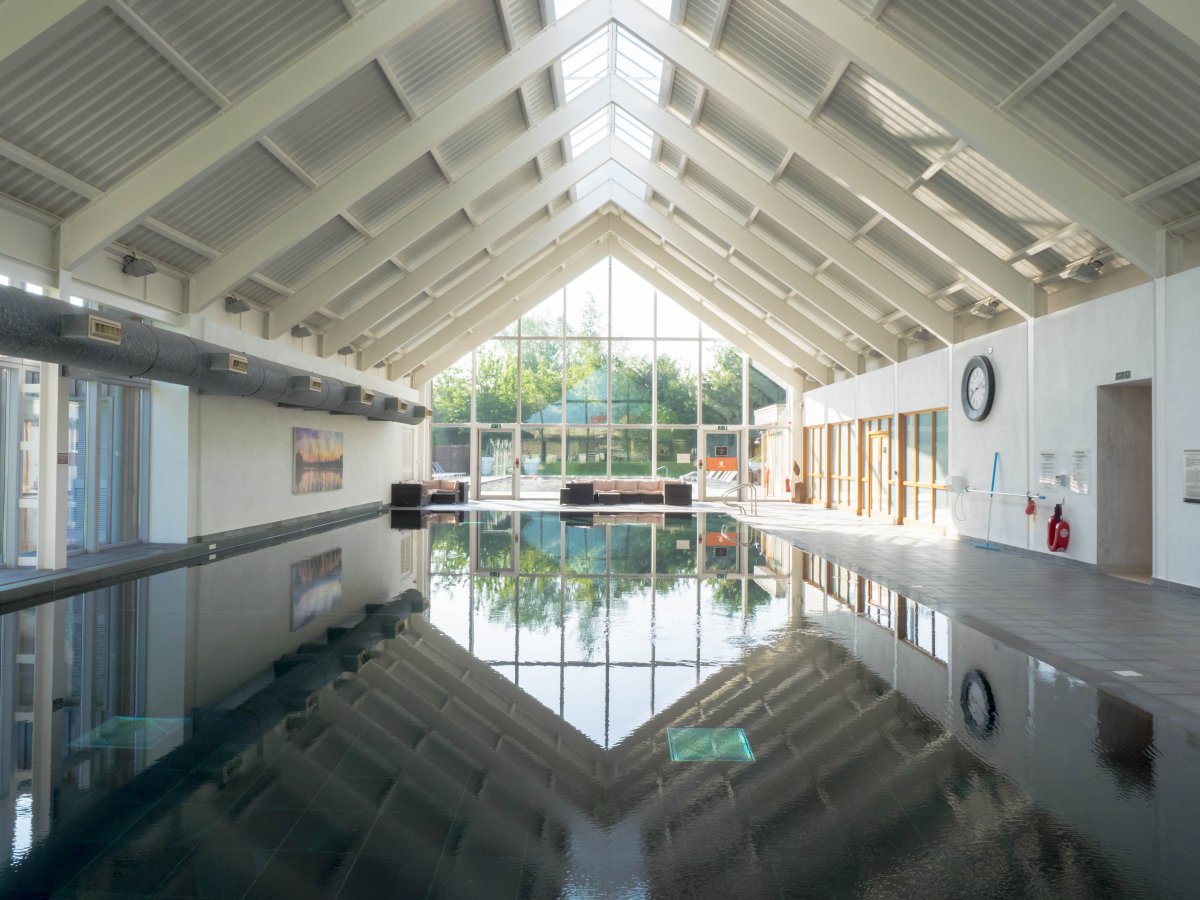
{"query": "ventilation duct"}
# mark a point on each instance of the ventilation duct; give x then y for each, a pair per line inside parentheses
(40, 328)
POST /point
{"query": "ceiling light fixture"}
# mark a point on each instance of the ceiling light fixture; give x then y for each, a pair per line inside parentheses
(1085, 271)
(345, 351)
(138, 268)
(986, 309)
(301, 331)
(236, 305)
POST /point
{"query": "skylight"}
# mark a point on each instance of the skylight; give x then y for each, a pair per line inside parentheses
(591, 132)
(562, 7)
(639, 64)
(633, 133)
(587, 63)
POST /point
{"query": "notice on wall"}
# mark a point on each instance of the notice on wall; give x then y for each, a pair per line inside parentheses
(1191, 476)
(1079, 471)
(1049, 468)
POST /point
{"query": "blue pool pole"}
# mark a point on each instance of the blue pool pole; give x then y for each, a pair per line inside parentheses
(987, 541)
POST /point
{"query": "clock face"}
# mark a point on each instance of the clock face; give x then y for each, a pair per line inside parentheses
(978, 388)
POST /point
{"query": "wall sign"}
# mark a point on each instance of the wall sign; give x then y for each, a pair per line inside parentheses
(1191, 476)
(1123, 376)
(1079, 471)
(1048, 468)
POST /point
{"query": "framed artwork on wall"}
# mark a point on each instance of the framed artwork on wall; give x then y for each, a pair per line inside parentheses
(317, 460)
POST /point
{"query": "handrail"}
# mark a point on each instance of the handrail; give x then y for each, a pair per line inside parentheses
(738, 488)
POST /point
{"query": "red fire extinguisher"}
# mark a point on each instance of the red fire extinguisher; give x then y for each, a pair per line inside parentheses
(1058, 533)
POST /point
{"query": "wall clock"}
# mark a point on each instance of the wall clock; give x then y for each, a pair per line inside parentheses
(978, 388)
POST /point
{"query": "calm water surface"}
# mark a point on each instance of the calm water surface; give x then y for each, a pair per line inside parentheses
(433, 707)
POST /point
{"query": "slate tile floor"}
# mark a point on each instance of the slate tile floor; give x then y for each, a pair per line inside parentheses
(1078, 620)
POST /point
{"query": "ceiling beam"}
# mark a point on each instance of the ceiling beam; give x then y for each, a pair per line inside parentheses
(689, 289)
(778, 264)
(462, 250)
(991, 133)
(404, 148)
(810, 228)
(26, 20)
(495, 308)
(347, 50)
(825, 153)
(741, 281)
(414, 224)
(1177, 14)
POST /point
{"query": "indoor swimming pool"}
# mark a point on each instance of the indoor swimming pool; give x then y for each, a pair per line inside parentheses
(541, 704)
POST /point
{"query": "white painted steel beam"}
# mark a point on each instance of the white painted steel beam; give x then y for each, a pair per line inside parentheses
(394, 154)
(399, 235)
(753, 347)
(462, 250)
(691, 291)
(494, 309)
(792, 215)
(1180, 15)
(741, 281)
(1025, 158)
(825, 153)
(346, 51)
(778, 264)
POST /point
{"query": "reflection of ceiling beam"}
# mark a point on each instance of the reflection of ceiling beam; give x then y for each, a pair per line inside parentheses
(407, 146)
(778, 264)
(461, 251)
(825, 153)
(742, 282)
(216, 140)
(415, 224)
(705, 302)
(504, 306)
(990, 132)
(475, 289)
(794, 217)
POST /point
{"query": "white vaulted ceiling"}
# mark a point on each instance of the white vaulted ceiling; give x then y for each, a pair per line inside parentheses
(823, 181)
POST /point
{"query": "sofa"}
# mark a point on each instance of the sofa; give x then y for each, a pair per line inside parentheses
(409, 494)
(609, 491)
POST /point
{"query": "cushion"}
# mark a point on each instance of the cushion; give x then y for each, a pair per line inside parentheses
(606, 484)
(449, 484)
(654, 486)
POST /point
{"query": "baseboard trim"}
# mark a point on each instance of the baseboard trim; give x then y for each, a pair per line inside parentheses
(1175, 586)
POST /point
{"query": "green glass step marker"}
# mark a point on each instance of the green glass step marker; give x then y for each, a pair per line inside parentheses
(709, 744)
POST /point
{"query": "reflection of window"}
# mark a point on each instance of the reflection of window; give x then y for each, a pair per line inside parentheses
(927, 630)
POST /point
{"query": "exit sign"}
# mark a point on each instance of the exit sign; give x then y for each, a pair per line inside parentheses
(1123, 376)
(722, 428)
(493, 426)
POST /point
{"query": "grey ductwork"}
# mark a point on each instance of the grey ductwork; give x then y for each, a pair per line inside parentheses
(34, 327)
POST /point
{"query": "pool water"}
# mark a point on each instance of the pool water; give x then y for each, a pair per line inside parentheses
(525, 704)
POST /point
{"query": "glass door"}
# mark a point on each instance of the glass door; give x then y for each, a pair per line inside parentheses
(495, 463)
(28, 442)
(721, 467)
(878, 493)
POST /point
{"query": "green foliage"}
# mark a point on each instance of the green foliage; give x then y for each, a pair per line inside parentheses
(722, 388)
(496, 382)
(541, 381)
(676, 393)
(452, 395)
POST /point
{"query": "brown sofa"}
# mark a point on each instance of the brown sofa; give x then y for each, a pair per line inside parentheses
(582, 492)
(433, 490)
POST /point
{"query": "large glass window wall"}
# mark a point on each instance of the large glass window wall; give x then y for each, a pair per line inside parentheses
(606, 377)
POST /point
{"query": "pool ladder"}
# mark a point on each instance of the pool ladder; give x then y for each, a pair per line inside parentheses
(737, 504)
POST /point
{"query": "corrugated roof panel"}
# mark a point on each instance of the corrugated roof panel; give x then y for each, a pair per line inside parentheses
(342, 124)
(515, 234)
(989, 46)
(487, 132)
(855, 292)
(910, 259)
(525, 19)
(716, 190)
(1125, 106)
(700, 231)
(238, 44)
(759, 274)
(413, 184)
(814, 189)
(726, 124)
(84, 103)
(561, 202)
(682, 97)
(394, 318)
(700, 17)
(780, 47)
(866, 112)
(505, 191)
(477, 261)
(323, 247)
(787, 240)
(320, 323)
(435, 239)
(539, 96)
(453, 47)
(659, 202)
(959, 206)
(252, 290)
(669, 157)
(1177, 204)
(145, 242)
(364, 289)
(19, 183)
(551, 159)
(233, 200)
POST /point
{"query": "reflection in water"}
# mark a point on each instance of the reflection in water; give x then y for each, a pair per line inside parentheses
(502, 731)
(310, 480)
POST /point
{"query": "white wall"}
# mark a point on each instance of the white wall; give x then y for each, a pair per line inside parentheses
(1048, 374)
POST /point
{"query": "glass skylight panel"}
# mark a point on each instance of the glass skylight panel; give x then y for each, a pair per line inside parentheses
(587, 63)
(562, 7)
(633, 133)
(639, 64)
(591, 181)
(590, 132)
(629, 181)
(662, 7)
